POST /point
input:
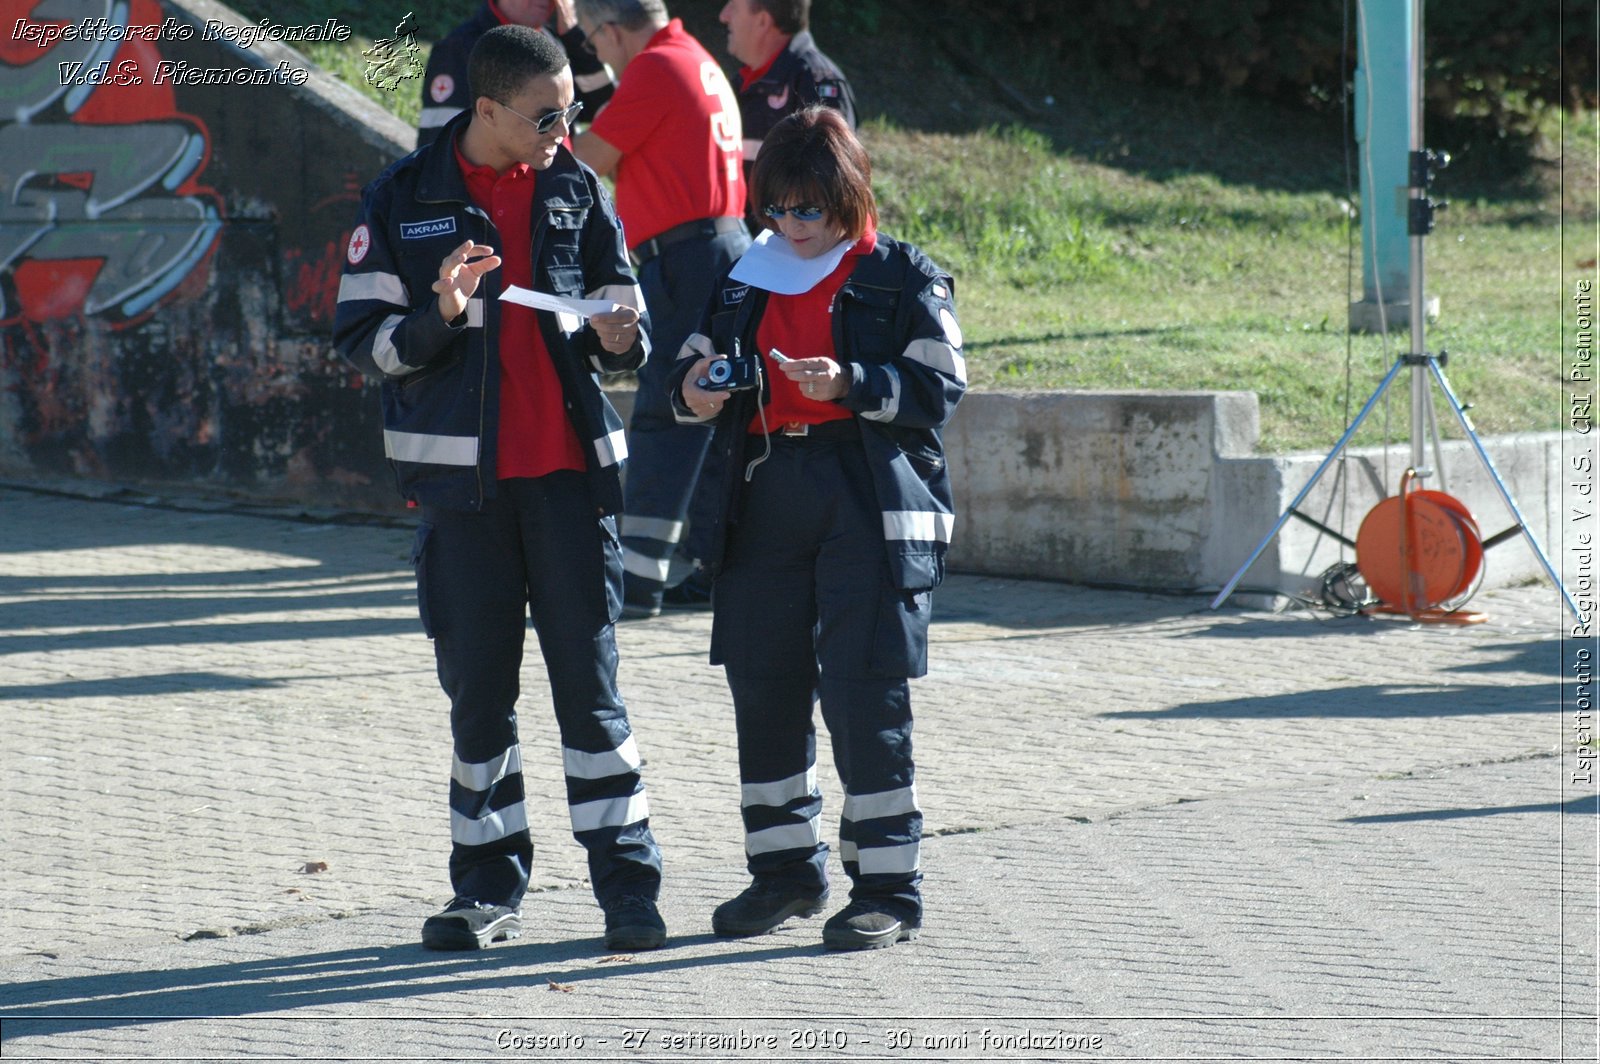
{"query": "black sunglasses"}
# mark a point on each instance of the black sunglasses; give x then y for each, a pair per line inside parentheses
(804, 212)
(547, 121)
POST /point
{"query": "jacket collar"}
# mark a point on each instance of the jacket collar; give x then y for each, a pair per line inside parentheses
(559, 187)
(784, 64)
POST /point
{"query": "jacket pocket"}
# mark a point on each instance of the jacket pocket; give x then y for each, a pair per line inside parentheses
(868, 324)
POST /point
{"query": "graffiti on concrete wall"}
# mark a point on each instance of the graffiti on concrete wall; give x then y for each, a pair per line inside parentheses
(102, 213)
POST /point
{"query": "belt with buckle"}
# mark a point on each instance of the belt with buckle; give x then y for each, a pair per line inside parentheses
(837, 429)
(706, 227)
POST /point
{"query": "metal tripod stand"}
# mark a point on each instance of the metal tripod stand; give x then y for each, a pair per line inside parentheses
(1423, 166)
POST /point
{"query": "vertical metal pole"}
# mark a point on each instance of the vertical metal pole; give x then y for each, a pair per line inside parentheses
(1419, 191)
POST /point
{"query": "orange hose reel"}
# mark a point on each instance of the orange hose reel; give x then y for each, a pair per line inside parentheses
(1419, 551)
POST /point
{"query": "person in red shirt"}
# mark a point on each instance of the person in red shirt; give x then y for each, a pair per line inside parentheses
(499, 433)
(671, 138)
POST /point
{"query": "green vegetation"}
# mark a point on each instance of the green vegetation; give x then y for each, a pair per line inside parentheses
(1123, 236)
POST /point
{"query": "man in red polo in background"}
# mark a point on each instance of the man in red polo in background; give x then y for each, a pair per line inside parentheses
(671, 138)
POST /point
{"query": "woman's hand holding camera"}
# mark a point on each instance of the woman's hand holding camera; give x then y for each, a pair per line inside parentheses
(702, 402)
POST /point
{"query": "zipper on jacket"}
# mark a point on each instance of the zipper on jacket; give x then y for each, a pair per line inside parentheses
(483, 381)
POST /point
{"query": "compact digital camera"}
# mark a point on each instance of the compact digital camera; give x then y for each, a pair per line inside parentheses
(731, 375)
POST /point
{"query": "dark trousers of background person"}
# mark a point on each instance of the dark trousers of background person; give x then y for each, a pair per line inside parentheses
(664, 457)
(805, 608)
(539, 545)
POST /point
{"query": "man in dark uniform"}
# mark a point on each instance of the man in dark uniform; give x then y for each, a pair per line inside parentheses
(783, 71)
(498, 432)
(444, 89)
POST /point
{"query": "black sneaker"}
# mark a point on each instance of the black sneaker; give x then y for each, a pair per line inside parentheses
(467, 924)
(692, 593)
(633, 923)
(762, 907)
(864, 925)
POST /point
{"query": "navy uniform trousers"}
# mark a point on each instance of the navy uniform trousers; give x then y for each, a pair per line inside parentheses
(539, 544)
(664, 457)
(804, 608)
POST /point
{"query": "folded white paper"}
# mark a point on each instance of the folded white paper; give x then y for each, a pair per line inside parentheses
(583, 308)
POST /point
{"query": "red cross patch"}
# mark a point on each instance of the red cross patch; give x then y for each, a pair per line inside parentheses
(360, 244)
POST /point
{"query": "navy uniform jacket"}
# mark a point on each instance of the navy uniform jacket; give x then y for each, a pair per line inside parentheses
(441, 381)
(444, 87)
(799, 76)
(895, 333)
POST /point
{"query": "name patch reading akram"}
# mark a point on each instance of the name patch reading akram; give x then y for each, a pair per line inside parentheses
(418, 230)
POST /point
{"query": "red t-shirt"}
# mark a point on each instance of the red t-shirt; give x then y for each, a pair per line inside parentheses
(801, 326)
(675, 120)
(535, 434)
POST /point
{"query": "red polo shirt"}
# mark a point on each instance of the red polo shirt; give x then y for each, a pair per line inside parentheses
(801, 326)
(536, 436)
(675, 120)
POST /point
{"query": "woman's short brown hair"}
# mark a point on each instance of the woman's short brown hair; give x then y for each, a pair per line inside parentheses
(812, 157)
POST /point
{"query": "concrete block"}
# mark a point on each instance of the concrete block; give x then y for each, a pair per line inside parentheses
(1091, 486)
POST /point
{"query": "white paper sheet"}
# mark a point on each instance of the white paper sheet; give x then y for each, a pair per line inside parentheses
(582, 308)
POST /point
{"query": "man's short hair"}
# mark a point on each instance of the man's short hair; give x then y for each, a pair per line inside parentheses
(789, 16)
(506, 57)
(629, 14)
(812, 157)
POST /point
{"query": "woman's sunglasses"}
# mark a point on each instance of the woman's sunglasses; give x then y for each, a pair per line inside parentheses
(805, 212)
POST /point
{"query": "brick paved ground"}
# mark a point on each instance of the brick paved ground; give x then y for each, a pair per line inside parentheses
(1230, 835)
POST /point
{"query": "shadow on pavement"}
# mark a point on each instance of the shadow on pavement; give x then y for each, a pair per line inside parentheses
(317, 980)
(167, 683)
(1588, 805)
(188, 578)
(1552, 657)
(1026, 605)
(1378, 701)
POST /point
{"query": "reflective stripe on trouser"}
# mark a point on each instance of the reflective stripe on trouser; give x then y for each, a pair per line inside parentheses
(538, 545)
(664, 457)
(804, 608)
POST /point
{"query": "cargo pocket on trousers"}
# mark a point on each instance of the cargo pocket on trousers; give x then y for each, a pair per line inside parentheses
(611, 547)
(900, 640)
(419, 562)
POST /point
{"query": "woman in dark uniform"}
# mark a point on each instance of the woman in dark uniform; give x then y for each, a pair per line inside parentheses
(836, 514)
